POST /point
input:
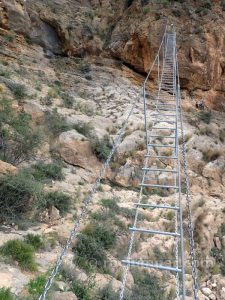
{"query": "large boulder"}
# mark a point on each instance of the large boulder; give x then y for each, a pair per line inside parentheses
(15, 16)
(75, 149)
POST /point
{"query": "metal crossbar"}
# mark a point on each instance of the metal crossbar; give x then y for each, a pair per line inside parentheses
(168, 91)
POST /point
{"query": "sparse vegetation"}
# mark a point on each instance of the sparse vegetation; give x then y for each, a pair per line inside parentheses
(56, 123)
(19, 141)
(5, 294)
(58, 199)
(67, 100)
(211, 155)
(42, 171)
(91, 246)
(89, 254)
(219, 254)
(36, 285)
(101, 147)
(20, 252)
(19, 90)
(19, 195)
(147, 287)
(81, 291)
(83, 128)
(205, 116)
(223, 5)
(34, 240)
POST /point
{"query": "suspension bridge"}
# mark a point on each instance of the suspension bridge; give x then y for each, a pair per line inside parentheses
(163, 130)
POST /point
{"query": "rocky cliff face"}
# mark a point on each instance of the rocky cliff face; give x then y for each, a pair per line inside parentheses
(87, 59)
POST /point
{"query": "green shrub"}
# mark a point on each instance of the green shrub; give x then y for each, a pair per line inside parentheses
(42, 171)
(36, 286)
(34, 240)
(89, 254)
(107, 293)
(19, 195)
(211, 155)
(84, 67)
(111, 204)
(19, 141)
(67, 100)
(20, 252)
(58, 199)
(205, 116)
(81, 291)
(56, 123)
(102, 235)
(19, 90)
(147, 287)
(223, 5)
(101, 147)
(202, 11)
(5, 294)
(83, 128)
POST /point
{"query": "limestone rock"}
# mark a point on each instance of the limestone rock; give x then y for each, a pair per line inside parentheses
(206, 291)
(13, 278)
(35, 111)
(18, 18)
(6, 168)
(131, 142)
(214, 169)
(63, 295)
(76, 150)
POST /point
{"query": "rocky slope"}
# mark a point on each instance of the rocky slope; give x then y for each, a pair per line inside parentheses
(88, 59)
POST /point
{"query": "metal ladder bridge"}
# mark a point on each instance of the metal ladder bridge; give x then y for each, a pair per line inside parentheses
(162, 128)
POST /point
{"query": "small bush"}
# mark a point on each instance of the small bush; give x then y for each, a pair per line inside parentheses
(19, 90)
(107, 293)
(89, 254)
(19, 141)
(102, 147)
(202, 11)
(223, 5)
(43, 171)
(111, 204)
(5, 294)
(56, 123)
(19, 195)
(211, 155)
(67, 100)
(101, 234)
(205, 116)
(20, 252)
(147, 287)
(84, 67)
(81, 291)
(83, 128)
(34, 240)
(129, 2)
(58, 199)
(36, 286)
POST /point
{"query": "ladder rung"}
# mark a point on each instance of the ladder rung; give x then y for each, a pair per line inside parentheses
(161, 145)
(162, 136)
(162, 115)
(156, 206)
(164, 128)
(150, 266)
(165, 109)
(163, 121)
(159, 185)
(159, 170)
(161, 156)
(154, 231)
